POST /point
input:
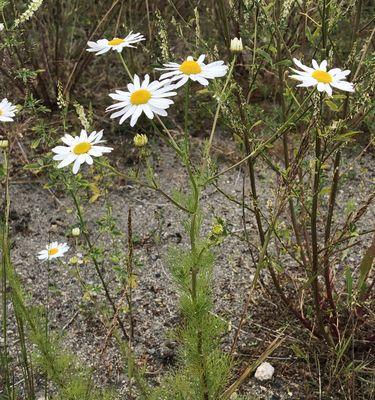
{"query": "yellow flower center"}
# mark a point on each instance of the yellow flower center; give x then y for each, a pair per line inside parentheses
(141, 96)
(322, 76)
(1, 112)
(53, 251)
(82, 148)
(115, 41)
(190, 67)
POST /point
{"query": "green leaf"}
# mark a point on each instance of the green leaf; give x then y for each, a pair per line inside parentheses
(265, 55)
(365, 267)
(346, 136)
(333, 106)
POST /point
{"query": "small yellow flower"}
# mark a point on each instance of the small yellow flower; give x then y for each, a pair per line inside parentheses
(140, 140)
(236, 45)
(218, 229)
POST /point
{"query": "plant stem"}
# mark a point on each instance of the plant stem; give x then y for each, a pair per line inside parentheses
(267, 142)
(96, 264)
(285, 134)
(314, 231)
(129, 298)
(314, 234)
(327, 233)
(186, 119)
(129, 271)
(5, 262)
(218, 108)
(126, 67)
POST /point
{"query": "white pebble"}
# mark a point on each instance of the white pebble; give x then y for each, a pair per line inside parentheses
(264, 372)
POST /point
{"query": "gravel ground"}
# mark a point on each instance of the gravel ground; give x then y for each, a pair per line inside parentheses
(37, 218)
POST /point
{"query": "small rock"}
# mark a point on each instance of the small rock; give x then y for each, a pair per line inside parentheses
(264, 372)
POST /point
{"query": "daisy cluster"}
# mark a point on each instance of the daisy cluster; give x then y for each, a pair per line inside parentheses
(144, 96)
(151, 98)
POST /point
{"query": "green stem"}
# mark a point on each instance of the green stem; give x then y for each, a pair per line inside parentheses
(194, 234)
(126, 67)
(94, 260)
(218, 108)
(5, 262)
(186, 119)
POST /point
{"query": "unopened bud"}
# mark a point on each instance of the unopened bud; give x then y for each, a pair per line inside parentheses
(140, 140)
(4, 144)
(236, 45)
(76, 232)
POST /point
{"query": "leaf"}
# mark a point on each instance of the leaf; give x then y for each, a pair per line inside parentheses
(284, 63)
(333, 106)
(35, 143)
(132, 281)
(346, 136)
(365, 267)
(265, 55)
(95, 192)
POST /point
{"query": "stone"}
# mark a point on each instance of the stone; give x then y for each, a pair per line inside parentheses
(264, 372)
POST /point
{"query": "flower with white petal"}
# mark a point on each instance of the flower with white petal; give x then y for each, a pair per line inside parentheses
(117, 44)
(142, 97)
(7, 111)
(321, 78)
(80, 149)
(53, 250)
(195, 70)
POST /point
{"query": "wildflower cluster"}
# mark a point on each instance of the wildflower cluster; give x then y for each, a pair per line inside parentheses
(191, 268)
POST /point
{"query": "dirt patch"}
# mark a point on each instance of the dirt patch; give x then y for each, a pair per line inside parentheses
(37, 217)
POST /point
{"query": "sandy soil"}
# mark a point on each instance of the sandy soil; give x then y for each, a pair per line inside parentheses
(37, 218)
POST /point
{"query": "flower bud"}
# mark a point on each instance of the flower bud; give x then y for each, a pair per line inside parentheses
(236, 45)
(76, 232)
(1, 27)
(217, 229)
(140, 140)
(4, 144)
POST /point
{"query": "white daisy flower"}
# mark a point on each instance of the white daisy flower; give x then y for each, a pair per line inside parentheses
(319, 77)
(194, 70)
(53, 250)
(80, 149)
(150, 98)
(103, 45)
(7, 111)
